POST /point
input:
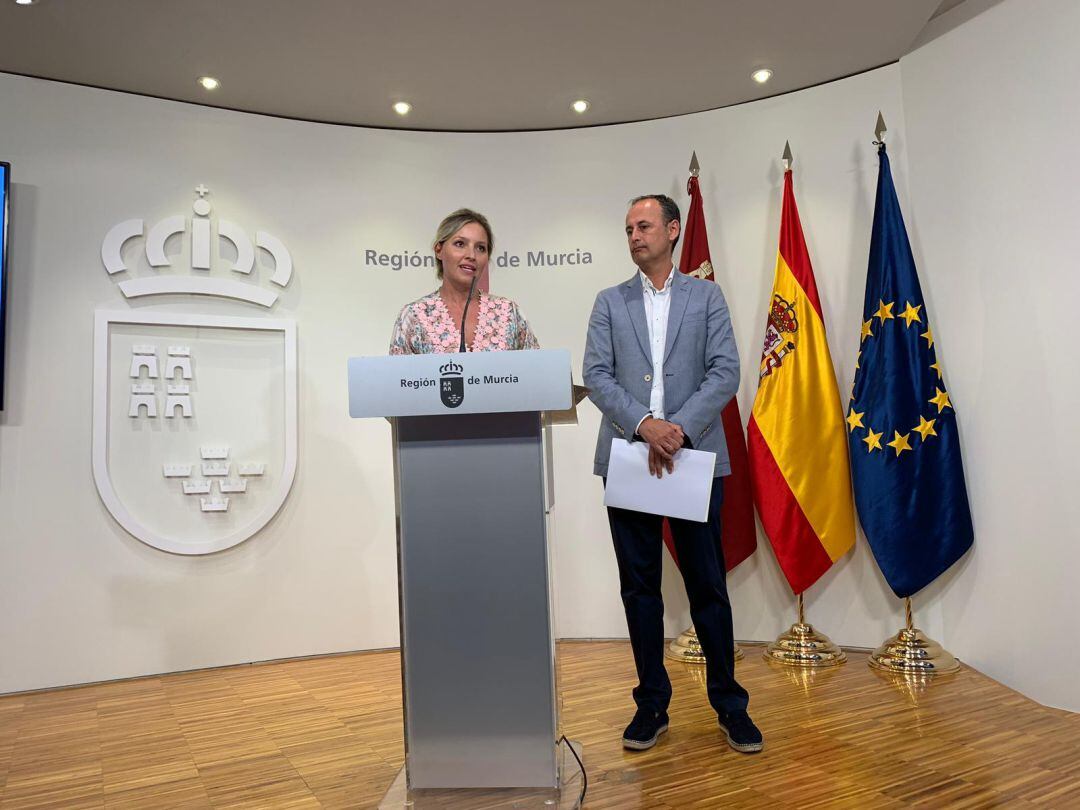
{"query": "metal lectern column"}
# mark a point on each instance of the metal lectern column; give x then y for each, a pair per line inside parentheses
(478, 659)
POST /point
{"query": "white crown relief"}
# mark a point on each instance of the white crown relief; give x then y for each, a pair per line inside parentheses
(214, 467)
(200, 282)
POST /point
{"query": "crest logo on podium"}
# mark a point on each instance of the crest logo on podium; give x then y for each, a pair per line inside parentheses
(195, 414)
(451, 384)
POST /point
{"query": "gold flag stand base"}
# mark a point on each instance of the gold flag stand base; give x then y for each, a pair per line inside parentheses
(911, 652)
(687, 648)
(803, 646)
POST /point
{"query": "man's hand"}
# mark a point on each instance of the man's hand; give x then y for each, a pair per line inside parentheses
(663, 437)
(658, 463)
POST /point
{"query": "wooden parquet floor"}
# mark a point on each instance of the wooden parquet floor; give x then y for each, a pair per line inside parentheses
(327, 733)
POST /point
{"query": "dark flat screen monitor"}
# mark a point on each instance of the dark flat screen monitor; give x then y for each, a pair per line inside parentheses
(5, 189)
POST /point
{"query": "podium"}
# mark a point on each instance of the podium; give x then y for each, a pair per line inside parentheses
(473, 493)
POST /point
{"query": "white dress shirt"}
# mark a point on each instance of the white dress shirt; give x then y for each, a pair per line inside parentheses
(657, 307)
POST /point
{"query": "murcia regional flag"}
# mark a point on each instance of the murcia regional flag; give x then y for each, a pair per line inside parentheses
(738, 533)
(797, 438)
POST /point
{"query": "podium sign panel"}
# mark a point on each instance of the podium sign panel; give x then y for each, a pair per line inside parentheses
(477, 639)
(480, 382)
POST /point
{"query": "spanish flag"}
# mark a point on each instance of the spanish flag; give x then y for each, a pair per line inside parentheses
(796, 438)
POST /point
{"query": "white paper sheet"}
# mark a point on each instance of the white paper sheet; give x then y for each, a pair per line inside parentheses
(683, 493)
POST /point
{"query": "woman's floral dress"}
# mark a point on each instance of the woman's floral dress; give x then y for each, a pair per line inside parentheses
(425, 327)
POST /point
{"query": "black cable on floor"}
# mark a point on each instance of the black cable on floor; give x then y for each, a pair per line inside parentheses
(584, 776)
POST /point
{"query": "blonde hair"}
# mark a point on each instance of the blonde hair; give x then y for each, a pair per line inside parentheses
(453, 223)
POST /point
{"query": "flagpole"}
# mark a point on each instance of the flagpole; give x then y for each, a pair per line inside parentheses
(910, 652)
(803, 646)
(687, 647)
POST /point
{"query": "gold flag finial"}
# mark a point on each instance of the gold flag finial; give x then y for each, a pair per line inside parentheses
(879, 128)
(695, 167)
(787, 158)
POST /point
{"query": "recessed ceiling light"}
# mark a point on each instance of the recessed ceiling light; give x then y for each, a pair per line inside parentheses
(209, 82)
(24, 2)
(761, 75)
(580, 106)
(402, 107)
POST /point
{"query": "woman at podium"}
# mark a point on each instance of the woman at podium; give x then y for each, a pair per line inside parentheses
(432, 324)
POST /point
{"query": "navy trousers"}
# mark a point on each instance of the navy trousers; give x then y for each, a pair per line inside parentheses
(639, 550)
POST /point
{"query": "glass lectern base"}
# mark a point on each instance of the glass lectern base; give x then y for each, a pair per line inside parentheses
(565, 797)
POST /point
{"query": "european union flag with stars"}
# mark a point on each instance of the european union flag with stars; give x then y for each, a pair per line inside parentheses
(905, 452)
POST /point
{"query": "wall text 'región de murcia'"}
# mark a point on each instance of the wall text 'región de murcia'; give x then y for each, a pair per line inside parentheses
(536, 259)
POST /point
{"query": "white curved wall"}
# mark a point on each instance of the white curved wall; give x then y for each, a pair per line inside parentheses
(992, 116)
(80, 600)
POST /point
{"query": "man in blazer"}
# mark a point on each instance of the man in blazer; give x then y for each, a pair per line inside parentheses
(661, 363)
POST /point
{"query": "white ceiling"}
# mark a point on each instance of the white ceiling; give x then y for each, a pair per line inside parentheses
(463, 64)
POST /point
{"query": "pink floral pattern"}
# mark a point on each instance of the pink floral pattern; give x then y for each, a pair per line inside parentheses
(425, 327)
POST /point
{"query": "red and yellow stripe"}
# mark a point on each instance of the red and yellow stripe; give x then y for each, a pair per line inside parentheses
(796, 437)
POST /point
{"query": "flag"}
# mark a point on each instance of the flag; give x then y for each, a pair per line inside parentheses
(738, 533)
(796, 436)
(905, 452)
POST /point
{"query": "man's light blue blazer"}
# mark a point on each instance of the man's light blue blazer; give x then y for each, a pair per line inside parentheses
(701, 364)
